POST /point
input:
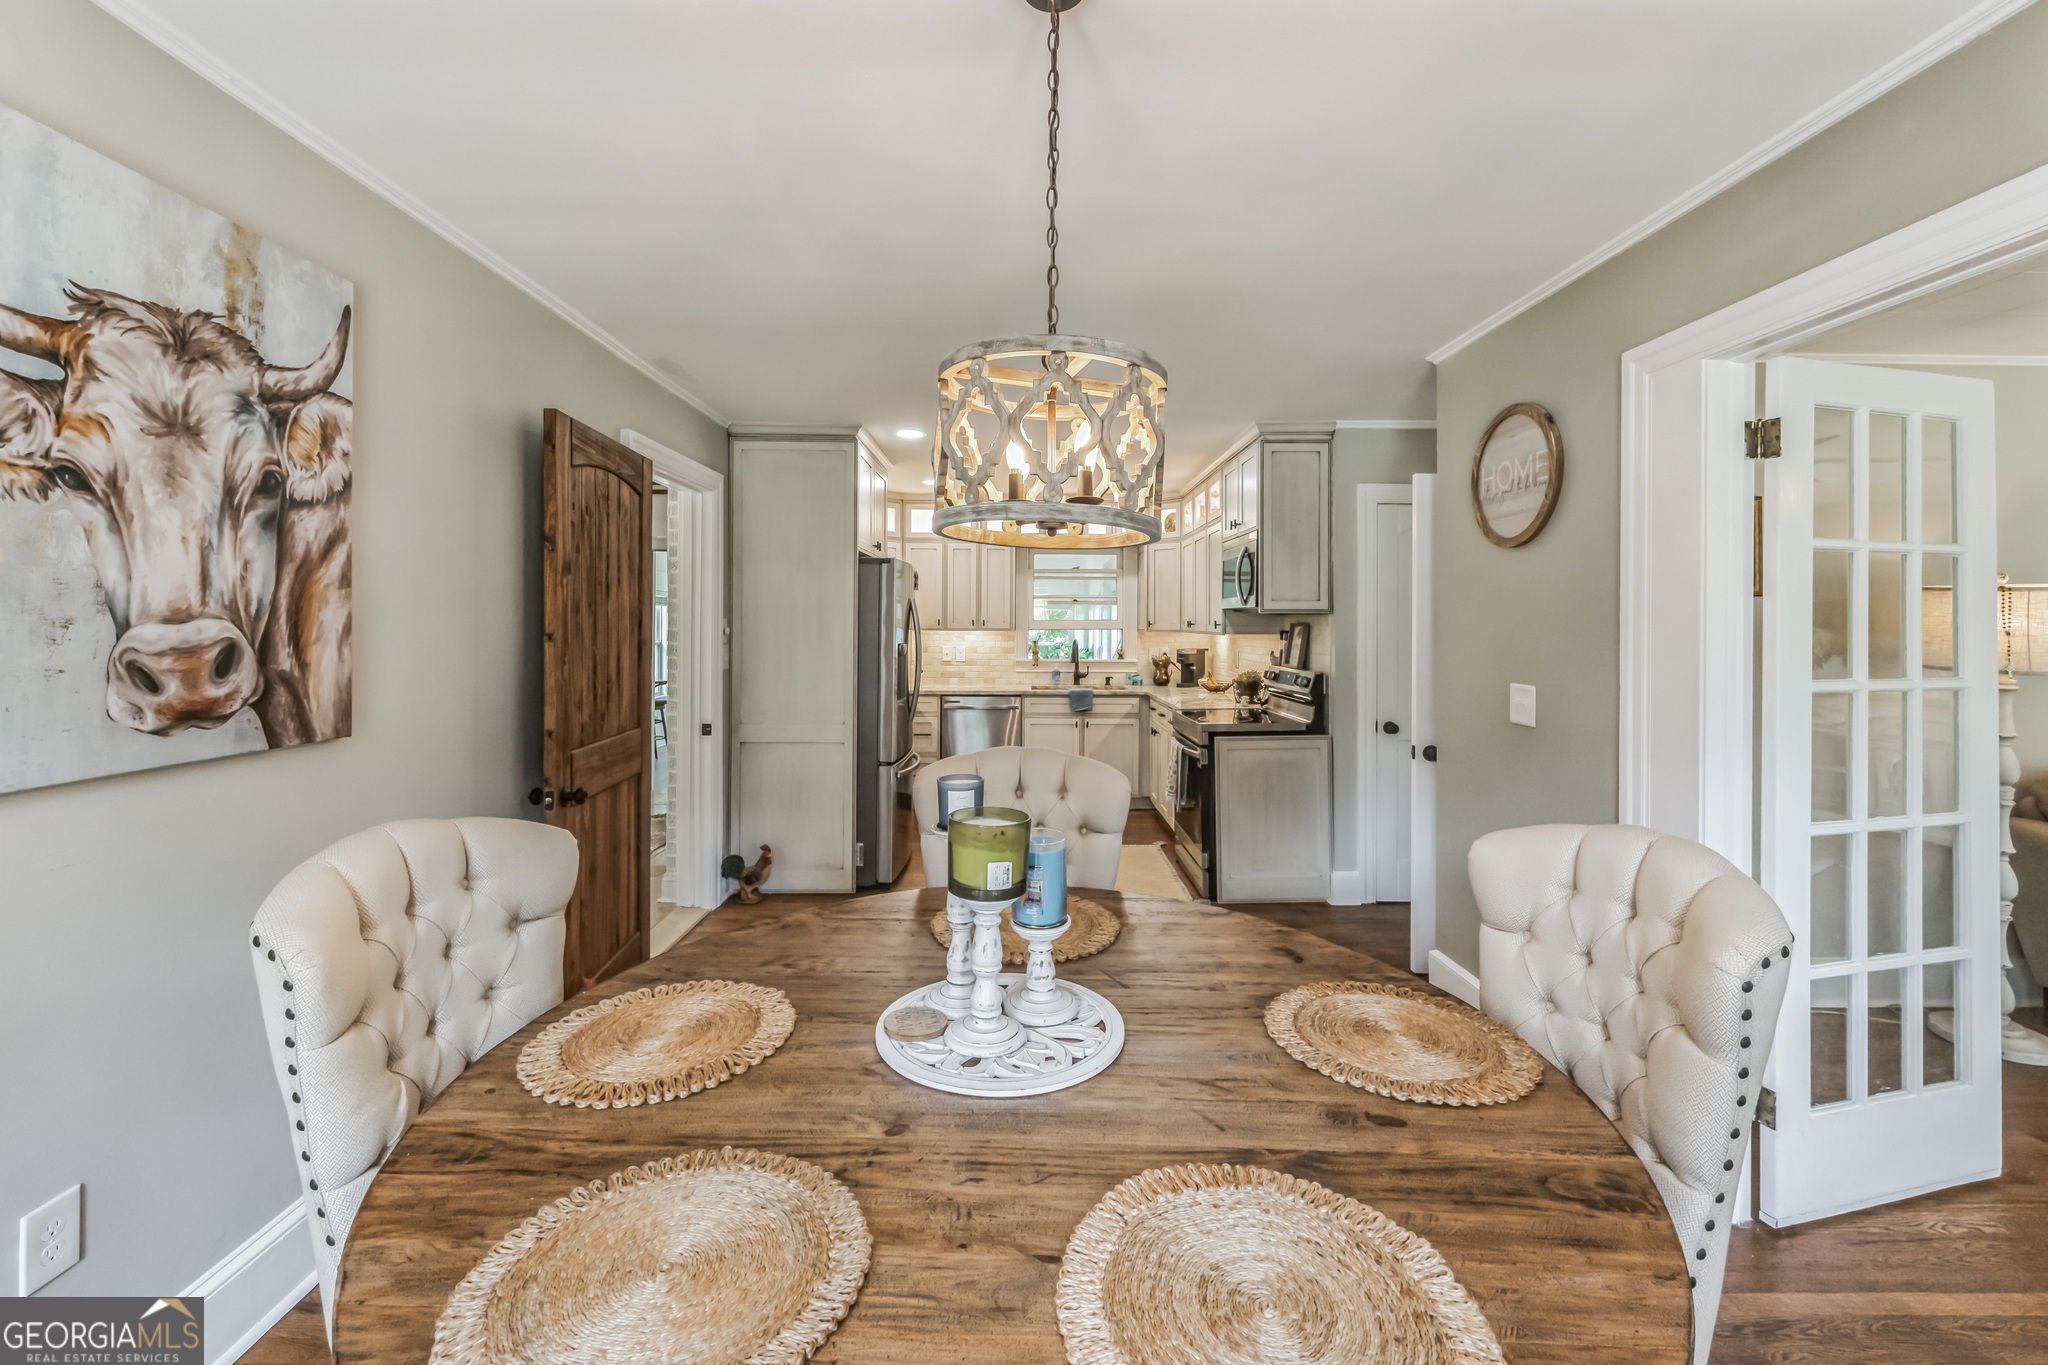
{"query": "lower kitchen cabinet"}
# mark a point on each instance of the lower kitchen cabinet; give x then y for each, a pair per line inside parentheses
(1159, 753)
(1111, 733)
(1272, 817)
(924, 730)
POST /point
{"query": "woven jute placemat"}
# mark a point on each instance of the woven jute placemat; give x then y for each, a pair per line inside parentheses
(661, 1043)
(1239, 1265)
(712, 1258)
(1092, 927)
(1403, 1044)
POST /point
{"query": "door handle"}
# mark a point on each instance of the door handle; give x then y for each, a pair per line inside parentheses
(575, 798)
(542, 797)
(1391, 728)
(1429, 753)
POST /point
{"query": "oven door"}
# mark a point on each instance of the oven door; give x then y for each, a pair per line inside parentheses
(1240, 570)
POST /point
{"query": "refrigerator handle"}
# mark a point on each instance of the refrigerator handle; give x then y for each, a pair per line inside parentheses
(917, 651)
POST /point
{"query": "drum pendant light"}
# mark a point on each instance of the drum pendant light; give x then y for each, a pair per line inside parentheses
(1053, 440)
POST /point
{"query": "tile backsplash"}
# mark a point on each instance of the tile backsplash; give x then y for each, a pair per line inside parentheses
(987, 658)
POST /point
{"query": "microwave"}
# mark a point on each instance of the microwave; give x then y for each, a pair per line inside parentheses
(1240, 570)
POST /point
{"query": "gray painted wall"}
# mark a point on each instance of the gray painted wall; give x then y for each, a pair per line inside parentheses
(131, 1054)
(1356, 457)
(1547, 613)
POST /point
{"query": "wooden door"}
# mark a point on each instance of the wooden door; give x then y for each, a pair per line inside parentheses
(597, 596)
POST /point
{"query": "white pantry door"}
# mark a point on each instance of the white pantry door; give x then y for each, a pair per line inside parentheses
(1880, 784)
(1387, 731)
(1422, 710)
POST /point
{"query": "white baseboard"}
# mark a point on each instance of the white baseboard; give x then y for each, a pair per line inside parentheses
(1447, 975)
(1347, 888)
(256, 1284)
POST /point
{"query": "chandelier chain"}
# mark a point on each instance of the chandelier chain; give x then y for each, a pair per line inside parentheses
(1052, 170)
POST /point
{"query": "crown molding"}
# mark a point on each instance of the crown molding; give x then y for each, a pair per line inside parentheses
(1384, 424)
(1882, 358)
(1897, 72)
(178, 45)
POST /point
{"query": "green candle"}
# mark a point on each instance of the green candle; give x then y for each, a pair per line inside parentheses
(988, 844)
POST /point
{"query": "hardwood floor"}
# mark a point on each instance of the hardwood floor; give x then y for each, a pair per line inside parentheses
(1958, 1277)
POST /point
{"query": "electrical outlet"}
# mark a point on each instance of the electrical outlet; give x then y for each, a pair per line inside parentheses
(1522, 704)
(49, 1240)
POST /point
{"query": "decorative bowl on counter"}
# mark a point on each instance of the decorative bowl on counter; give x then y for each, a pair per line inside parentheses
(1216, 685)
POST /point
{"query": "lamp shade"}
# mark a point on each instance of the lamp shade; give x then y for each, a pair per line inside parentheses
(2023, 627)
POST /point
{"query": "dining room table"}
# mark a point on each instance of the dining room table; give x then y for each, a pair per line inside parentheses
(1538, 1206)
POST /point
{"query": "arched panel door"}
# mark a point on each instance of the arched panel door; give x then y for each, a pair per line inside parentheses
(597, 689)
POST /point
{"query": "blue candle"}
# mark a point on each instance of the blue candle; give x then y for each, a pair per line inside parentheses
(957, 790)
(1045, 881)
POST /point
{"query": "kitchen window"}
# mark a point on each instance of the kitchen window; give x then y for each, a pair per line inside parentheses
(1075, 595)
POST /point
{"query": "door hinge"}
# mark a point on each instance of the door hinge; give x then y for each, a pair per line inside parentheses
(1760, 439)
(860, 855)
(1767, 1108)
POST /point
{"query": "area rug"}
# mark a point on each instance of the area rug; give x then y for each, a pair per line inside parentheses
(661, 1043)
(1239, 1265)
(1403, 1044)
(713, 1258)
(1147, 870)
(1092, 927)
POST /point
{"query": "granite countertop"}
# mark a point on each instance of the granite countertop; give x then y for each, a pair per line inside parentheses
(1179, 698)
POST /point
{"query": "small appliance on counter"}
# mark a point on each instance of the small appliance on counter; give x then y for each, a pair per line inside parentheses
(1190, 666)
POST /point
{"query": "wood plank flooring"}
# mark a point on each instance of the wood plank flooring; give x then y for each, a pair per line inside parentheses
(1959, 1277)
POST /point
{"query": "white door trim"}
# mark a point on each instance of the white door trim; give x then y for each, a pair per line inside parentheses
(696, 770)
(1685, 504)
(1371, 753)
(1422, 954)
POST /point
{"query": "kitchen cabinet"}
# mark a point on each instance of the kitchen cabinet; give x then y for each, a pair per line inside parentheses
(1159, 754)
(1191, 579)
(871, 503)
(1162, 586)
(1210, 618)
(1272, 817)
(972, 587)
(996, 587)
(924, 730)
(1294, 554)
(927, 557)
(1111, 733)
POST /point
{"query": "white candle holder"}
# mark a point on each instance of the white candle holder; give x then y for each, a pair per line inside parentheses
(954, 996)
(985, 1030)
(1016, 1035)
(1039, 1000)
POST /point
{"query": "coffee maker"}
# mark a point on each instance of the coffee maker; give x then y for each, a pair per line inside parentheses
(1191, 666)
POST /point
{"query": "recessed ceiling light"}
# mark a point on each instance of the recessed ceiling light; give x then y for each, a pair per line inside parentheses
(931, 483)
(909, 433)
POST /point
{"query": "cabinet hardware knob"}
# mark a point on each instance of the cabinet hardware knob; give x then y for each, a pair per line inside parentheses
(1391, 728)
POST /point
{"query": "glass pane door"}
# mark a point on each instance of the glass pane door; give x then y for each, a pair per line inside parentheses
(1879, 793)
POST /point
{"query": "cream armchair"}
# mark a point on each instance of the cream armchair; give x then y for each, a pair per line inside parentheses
(1087, 801)
(1650, 970)
(385, 966)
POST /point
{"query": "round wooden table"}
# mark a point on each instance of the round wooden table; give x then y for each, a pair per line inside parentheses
(1538, 1206)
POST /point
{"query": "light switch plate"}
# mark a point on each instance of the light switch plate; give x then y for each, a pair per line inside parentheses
(49, 1240)
(1522, 704)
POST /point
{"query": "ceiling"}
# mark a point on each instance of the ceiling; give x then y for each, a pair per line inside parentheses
(1999, 315)
(793, 209)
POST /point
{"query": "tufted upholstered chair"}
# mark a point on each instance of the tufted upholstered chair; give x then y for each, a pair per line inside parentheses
(1085, 800)
(1650, 970)
(386, 965)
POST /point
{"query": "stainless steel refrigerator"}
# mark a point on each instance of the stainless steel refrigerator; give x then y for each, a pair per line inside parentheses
(890, 660)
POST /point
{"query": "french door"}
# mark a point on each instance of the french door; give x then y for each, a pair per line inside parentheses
(1879, 820)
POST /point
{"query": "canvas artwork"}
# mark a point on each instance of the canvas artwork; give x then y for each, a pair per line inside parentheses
(175, 426)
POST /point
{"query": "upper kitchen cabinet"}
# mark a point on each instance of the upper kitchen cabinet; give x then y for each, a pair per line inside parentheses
(964, 586)
(1274, 486)
(1241, 492)
(1162, 583)
(871, 500)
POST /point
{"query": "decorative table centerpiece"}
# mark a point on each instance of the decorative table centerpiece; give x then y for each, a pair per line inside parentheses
(1002, 1035)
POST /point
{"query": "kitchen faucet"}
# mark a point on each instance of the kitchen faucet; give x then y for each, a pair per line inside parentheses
(1080, 673)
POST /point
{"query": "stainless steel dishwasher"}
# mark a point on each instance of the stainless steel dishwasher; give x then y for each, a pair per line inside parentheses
(967, 725)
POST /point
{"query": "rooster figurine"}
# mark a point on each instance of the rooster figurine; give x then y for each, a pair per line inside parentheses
(751, 879)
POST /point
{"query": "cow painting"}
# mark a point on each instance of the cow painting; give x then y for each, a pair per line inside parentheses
(212, 486)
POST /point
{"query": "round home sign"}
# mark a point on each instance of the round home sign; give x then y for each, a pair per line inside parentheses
(1516, 474)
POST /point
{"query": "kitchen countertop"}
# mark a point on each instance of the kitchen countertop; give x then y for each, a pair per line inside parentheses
(1178, 698)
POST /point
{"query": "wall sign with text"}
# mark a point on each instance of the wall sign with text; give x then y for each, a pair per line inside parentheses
(1517, 474)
